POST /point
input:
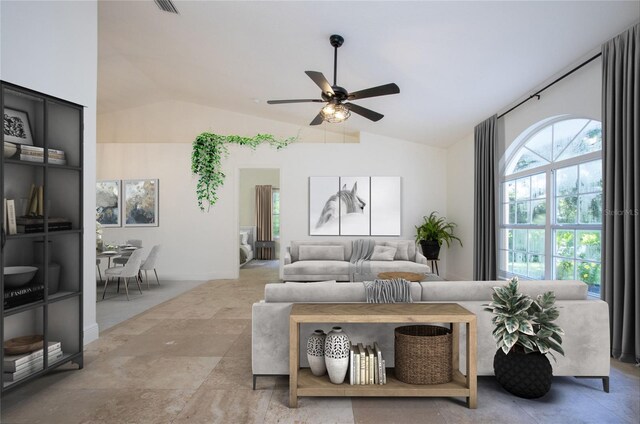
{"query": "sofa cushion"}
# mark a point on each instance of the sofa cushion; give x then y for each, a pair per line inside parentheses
(397, 266)
(483, 290)
(383, 253)
(321, 253)
(295, 246)
(402, 249)
(317, 267)
(322, 292)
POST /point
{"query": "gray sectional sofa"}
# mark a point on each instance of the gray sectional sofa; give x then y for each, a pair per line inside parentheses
(315, 260)
(584, 320)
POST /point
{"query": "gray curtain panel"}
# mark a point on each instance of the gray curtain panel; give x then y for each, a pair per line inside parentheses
(484, 202)
(263, 219)
(621, 171)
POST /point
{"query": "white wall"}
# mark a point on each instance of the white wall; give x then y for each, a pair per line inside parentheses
(578, 95)
(52, 47)
(199, 245)
(460, 209)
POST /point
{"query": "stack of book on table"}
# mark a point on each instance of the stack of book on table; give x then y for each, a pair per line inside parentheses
(366, 365)
(17, 367)
(36, 154)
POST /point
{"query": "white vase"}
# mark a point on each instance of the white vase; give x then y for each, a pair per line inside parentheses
(336, 354)
(315, 353)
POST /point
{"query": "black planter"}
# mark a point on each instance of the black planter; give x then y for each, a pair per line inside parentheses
(527, 375)
(430, 249)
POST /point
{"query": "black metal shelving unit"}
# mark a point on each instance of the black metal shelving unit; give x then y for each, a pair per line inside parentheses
(55, 124)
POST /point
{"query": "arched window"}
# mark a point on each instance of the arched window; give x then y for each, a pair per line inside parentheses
(551, 215)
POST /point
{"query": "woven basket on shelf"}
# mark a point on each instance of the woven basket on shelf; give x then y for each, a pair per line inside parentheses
(423, 354)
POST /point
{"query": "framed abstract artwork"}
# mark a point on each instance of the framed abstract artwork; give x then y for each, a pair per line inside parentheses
(16, 126)
(108, 203)
(140, 203)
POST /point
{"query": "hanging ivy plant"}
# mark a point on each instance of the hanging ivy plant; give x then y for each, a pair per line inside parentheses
(206, 160)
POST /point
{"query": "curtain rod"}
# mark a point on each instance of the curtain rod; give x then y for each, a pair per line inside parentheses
(537, 94)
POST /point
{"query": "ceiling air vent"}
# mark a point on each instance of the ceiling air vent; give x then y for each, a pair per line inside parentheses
(167, 6)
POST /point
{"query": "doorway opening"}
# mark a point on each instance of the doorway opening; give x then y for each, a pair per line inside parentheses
(259, 218)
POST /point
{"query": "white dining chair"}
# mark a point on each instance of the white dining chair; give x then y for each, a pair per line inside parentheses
(98, 267)
(125, 255)
(130, 270)
(150, 263)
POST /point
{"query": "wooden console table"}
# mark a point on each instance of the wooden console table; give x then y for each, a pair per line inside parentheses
(303, 383)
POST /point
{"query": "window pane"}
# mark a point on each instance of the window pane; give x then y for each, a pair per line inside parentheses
(566, 208)
(512, 213)
(589, 140)
(536, 241)
(520, 240)
(510, 239)
(589, 272)
(565, 243)
(591, 208)
(538, 212)
(525, 159)
(523, 189)
(520, 263)
(540, 143)
(538, 186)
(567, 181)
(564, 132)
(589, 246)
(591, 176)
(522, 212)
(509, 191)
(564, 269)
(536, 267)
(510, 261)
(276, 226)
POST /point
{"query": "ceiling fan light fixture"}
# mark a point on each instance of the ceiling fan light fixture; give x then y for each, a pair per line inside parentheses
(335, 113)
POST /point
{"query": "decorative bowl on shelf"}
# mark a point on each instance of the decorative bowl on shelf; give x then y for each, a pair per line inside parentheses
(10, 149)
(24, 344)
(18, 276)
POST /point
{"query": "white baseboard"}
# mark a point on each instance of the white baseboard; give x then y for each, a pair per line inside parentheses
(91, 333)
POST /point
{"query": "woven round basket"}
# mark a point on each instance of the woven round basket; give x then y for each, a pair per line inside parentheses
(423, 354)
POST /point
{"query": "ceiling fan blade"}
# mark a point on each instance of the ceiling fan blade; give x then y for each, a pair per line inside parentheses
(320, 81)
(317, 120)
(279, 102)
(363, 111)
(381, 90)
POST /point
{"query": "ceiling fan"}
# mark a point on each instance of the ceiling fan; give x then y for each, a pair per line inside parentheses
(337, 108)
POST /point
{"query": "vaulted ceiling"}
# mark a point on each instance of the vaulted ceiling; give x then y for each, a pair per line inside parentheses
(456, 62)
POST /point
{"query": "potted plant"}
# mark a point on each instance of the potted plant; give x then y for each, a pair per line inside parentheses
(524, 332)
(433, 231)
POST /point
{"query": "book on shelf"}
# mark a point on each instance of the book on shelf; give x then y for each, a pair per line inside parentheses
(12, 362)
(23, 295)
(356, 364)
(11, 217)
(27, 224)
(362, 363)
(378, 352)
(371, 365)
(351, 364)
(53, 356)
(28, 369)
(384, 372)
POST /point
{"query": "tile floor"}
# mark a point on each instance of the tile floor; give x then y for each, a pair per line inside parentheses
(188, 360)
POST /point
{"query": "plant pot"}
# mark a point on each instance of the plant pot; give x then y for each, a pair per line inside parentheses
(315, 353)
(336, 354)
(526, 375)
(430, 249)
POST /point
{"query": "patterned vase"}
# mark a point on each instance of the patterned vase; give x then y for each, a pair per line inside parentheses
(336, 354)
(315, 352)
